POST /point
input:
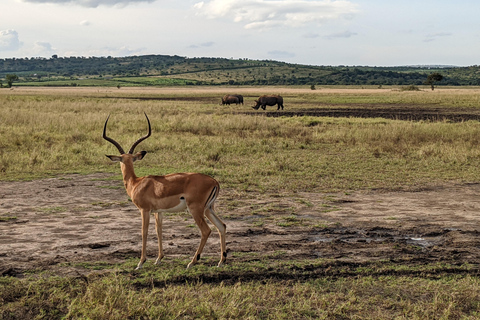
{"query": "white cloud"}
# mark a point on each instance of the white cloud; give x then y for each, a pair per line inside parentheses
(204, 45)
(259, 14)
(278, 54)
(346, 34)
(121, 51)
(435, 36)
(85, 23)
(311, 35)
(43, 48)
(9, 40)
(91, 3)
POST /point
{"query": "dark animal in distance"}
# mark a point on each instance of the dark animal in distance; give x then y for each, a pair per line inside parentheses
(240, 98)
(231, 99)
(267, 100)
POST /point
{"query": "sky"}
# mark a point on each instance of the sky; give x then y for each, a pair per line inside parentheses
(311, 32)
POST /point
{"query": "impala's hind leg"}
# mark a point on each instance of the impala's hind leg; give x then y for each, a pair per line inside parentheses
(221, 227)
(197, 213)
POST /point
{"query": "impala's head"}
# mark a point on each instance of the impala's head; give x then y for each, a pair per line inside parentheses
(126, 157)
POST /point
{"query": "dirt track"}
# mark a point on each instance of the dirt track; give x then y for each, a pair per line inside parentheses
(76, 218)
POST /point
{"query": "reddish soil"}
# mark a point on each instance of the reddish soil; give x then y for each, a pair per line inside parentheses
(48, 223)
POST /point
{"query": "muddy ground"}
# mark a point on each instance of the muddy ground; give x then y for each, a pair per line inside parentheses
(51, 224)
(393, 112)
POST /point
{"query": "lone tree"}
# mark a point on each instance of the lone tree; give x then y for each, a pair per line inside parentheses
(10, 78)
(433, 78)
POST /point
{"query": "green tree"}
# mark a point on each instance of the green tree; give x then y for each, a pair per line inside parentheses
(10, 78)
(433, 78)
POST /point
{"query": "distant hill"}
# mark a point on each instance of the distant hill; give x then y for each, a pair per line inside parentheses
(163, 70)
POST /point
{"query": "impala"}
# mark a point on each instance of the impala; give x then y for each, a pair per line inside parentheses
(174, 192)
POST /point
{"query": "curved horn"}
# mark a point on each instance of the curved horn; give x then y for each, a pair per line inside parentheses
(142, 138)
(115, 143)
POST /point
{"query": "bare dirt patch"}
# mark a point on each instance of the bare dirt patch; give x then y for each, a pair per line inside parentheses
(394, 112)
(48, 223)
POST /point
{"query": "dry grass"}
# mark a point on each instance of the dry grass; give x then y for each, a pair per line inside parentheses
(58, 130)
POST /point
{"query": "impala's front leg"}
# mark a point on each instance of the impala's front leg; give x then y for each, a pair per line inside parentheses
(145, 223)
(158, 228)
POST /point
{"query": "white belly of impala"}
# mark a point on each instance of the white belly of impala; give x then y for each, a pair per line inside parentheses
(179, 207)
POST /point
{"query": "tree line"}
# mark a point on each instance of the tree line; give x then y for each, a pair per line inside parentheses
(221, 71)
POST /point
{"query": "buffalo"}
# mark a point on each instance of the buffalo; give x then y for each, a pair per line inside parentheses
(272, 100)
(230, 99)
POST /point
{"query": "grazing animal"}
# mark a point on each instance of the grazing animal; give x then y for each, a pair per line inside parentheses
(174, 192)
(240, 98)
(266, 100)
(230, 99)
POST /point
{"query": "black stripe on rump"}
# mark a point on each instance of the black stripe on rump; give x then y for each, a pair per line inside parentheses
(212, 196)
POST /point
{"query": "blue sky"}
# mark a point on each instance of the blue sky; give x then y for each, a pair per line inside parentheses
(325, 32)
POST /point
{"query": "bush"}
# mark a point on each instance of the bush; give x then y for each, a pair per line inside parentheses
(411, 87)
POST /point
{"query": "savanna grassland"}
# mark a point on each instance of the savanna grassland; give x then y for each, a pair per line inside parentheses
(307, 200)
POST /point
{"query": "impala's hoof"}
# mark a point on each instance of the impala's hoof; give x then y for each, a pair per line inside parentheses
(140, 264)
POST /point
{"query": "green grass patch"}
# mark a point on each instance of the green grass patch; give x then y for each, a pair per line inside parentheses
(51, 210)
(261, 289)
(8, 218)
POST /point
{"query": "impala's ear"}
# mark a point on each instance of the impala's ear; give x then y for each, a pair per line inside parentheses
(139, 155)
(114, 158)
